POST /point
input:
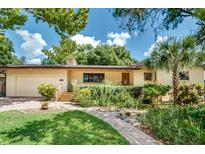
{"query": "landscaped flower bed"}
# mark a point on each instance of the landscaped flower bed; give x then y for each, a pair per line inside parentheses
(119, 96)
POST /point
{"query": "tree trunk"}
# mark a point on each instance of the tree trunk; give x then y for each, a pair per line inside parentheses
(175, 83)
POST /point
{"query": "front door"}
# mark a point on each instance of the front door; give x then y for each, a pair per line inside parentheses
(125, 78)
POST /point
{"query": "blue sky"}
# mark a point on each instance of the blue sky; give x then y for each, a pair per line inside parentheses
(102, 28)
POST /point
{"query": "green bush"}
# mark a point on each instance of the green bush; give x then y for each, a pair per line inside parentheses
(152, 92)
(124, 100)
(47, 91)
(177, 124)
(83, 97)
(190, 94)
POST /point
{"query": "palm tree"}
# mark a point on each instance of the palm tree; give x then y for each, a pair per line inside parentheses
(174, 55)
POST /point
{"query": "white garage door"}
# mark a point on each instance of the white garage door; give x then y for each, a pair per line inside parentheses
(28, 85)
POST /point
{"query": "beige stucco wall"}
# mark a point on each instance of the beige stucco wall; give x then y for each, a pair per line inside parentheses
(113, 76)
(196, 75)
(138, 77)
(25, 81)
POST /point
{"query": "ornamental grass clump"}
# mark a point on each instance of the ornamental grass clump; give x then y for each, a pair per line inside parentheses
(105, 96)
(177, 124)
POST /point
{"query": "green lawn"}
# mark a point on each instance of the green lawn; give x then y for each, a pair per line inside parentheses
(71, 127)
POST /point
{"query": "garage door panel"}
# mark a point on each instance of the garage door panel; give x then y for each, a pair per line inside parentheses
(28, 85)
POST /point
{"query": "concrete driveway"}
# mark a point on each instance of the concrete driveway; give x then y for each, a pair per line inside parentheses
(12, 103)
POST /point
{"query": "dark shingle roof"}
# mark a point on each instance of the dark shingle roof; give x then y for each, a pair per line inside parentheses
(137, 66)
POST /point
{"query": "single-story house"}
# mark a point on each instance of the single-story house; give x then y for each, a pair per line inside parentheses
(23, 80)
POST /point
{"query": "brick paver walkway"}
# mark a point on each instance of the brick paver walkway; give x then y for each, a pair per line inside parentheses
(132, 134)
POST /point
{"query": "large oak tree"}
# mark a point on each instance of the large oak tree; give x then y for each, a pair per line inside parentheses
(102, 54)
(161, 19)
(66, 22)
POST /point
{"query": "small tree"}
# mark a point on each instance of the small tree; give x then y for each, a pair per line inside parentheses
(174, 55)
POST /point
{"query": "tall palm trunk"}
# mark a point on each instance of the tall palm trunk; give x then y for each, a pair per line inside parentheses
(175, 83)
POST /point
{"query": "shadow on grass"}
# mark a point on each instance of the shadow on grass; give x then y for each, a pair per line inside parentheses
(73, 127)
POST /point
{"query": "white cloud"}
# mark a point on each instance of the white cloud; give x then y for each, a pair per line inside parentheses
(117, 38)
(82, 40)
(32, 46)
(113, 39)
(154, 45)
(34, 61)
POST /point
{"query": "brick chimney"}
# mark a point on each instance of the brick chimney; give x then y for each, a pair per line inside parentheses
(71, 61)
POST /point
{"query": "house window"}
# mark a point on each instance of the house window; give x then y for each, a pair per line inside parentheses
(93, 77)
(148, 76)
(184, 75)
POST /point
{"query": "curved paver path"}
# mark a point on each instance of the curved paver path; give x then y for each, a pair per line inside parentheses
(134, 135)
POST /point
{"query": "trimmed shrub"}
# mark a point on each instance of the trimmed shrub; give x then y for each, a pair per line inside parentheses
(177, 124)
(47, 91)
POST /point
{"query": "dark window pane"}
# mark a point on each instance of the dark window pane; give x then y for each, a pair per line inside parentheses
(184, 75)
(93, 77)
(148, 76)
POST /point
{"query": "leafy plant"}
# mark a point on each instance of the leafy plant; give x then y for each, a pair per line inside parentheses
(47, 91)
(151, 92)
(83, 97)
(190, 94)
(124, 100)
(177, 124)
